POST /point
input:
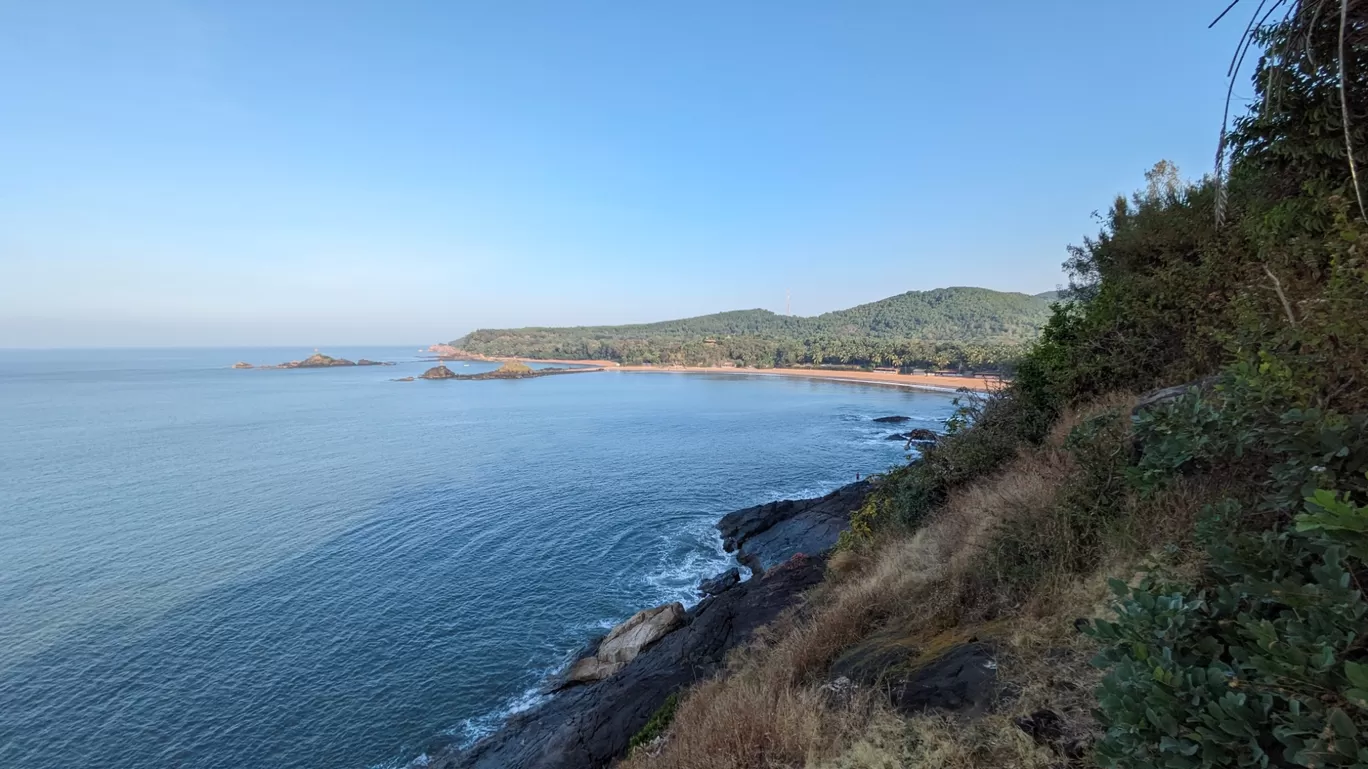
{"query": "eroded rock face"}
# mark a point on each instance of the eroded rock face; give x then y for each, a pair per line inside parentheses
(721, 583)
(767, 535)
(589, 726)
(625, 642)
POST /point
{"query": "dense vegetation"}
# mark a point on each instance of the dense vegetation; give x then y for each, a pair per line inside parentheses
(972, 327)
(1232, 519)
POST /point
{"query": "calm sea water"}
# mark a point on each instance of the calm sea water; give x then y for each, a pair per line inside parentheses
(203, 567)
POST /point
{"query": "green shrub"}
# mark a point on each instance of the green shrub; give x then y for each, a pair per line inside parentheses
(1263, 664)
(656, 726)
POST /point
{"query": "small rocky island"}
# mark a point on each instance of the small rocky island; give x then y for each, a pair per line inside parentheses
(319, 360)
(509, 370)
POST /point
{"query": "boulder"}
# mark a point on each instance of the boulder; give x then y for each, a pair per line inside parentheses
(950, 671)
(721, 583)
(962, 679)
(892, 420)
(625, 642)
(922, 435)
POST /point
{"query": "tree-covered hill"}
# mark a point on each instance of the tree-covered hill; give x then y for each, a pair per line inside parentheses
(973, 326)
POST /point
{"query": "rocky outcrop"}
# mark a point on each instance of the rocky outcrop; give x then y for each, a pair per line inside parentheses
(940, 674)
(769, 534)
(721, 583)
(510, 370)
(242, 364)
(892, 420)
(616, 684)
(962, 679)
(403, 379)
(916, 435)
(590, 726)
(625, 642)
(319, 360)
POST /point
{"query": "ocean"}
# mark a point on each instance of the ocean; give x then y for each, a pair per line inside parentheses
(287, 569)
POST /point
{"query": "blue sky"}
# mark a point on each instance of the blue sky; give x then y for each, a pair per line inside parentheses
(308, 173)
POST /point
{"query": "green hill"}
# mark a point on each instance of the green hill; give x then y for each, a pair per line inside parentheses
(972, 326)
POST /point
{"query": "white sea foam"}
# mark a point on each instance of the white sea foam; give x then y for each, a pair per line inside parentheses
(469, 731)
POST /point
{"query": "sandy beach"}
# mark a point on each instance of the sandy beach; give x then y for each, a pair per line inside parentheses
(915, 381)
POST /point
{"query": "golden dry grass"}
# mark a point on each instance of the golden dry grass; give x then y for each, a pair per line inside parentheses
(769, 710)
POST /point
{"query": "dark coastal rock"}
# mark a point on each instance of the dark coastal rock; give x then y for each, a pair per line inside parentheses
(962, 679)
(590, 726)
(721, 583)
(769, 534)
(438, 372)
(403, 379)
(921, 435)
(365, 362)
(956, 673)
(892, 420)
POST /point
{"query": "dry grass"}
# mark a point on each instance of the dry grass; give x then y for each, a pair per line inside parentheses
(947, 576)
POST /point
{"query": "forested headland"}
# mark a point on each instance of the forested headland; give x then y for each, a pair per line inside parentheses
(948, 327)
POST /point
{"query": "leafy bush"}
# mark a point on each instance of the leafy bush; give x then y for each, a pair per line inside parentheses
(1261, 665)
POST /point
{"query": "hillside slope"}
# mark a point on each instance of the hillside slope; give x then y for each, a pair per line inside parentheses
(944, 320)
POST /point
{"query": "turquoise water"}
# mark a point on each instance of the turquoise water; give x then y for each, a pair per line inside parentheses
(206, 567)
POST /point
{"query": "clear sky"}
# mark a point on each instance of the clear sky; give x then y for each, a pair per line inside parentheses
(294, 172)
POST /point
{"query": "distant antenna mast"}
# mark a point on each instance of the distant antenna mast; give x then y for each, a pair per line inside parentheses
(788, 302)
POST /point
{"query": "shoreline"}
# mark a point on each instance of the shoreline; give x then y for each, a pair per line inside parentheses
(947, 384)
(591, 721)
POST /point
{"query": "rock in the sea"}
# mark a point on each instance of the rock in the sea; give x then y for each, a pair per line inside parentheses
(892, 420)
(921, 435)
(590, 726)
(625, 642)
(721, 583)
(438, 372)
(767, 535)
(318, 360)
(403, 379)
(242, 364)
(366, 362)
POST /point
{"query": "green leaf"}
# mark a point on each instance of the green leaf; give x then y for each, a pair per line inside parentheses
(1357, 674)
(1341, 723)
